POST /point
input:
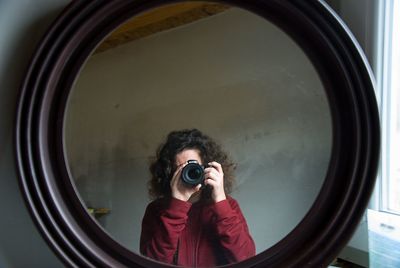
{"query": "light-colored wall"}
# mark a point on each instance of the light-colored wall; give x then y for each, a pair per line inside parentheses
(22, 23)
(236, 77)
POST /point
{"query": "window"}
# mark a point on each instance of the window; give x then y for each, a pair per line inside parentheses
(389, 84)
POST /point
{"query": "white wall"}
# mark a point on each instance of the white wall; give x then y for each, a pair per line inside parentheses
(22, 23)
(234, 76)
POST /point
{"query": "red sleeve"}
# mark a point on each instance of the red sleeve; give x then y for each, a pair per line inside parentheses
(233, 231)
(162, 225)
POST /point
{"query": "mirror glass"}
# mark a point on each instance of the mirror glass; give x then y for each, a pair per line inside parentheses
(223, 70)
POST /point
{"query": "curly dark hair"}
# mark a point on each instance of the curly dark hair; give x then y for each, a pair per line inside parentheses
(163, 165)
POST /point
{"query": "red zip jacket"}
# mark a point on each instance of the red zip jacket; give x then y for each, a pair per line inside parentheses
(195, 235)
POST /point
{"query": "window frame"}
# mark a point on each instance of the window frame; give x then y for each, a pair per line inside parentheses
(380, 200)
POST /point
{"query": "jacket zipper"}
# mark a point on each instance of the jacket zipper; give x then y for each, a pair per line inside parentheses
(194, 247)
(176, 254)
(193, 241)
(197, 241)
(189, 242)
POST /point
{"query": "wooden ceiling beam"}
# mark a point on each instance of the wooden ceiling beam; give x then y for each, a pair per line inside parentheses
(160, 19)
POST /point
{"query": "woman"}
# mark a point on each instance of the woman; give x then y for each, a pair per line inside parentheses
(197, 225)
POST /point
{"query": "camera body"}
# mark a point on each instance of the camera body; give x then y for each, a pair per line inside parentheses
(193, 173)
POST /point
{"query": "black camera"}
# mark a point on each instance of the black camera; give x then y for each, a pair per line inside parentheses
(193, 173)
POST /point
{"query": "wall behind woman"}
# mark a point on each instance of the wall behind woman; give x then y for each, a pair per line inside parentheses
(236, 77)
(22, 23)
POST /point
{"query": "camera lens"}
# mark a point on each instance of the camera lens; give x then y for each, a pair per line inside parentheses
(193, 173)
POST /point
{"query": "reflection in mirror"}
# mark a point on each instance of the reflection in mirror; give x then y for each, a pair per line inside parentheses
(223, 70)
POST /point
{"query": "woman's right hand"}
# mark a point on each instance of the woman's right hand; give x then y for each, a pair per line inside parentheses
(179, 189)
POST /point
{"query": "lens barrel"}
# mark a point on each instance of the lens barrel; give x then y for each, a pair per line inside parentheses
(193, 173)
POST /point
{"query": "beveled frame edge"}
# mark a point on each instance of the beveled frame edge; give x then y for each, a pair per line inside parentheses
(72, 234)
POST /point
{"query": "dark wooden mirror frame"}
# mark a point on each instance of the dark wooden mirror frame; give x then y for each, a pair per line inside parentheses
(49, 190)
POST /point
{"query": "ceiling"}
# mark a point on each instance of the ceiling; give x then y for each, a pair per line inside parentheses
(160, 19)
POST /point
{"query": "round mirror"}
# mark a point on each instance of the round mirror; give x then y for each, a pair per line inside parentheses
(281, 85)
(223, 70)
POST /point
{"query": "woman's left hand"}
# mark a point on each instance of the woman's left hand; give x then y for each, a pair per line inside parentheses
(214, 176)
